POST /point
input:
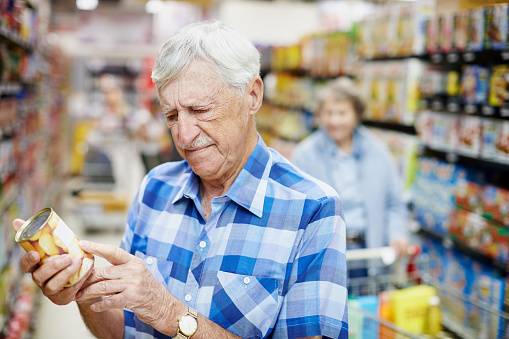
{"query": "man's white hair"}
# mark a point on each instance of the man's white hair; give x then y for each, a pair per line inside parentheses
(235, 58)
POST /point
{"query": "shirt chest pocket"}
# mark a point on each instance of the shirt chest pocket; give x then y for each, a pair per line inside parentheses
(245, 305)
(160, 268)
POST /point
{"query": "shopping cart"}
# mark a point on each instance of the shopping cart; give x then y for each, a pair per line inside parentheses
(371, 314)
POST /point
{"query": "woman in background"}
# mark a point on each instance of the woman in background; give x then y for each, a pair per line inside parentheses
(348, 157)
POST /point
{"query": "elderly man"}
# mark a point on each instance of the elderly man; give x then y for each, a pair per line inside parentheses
(231, 242)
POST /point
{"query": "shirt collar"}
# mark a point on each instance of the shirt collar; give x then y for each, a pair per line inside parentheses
(189, 186)
(250, 187)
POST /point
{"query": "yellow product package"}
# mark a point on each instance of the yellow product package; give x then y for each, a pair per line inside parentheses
(410, 307)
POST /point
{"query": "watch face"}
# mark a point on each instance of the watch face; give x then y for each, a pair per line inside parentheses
(188, 325)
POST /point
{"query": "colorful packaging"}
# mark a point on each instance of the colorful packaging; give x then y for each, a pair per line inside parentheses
(461, 31)
(474, 85)
(431, 41)
(489, 138)
(495, 202)
(499, 85)
(445, 32)
(502, 142)
(369, 304)
(410, 306)
(496, 26)
(476, 24)
(46, 233)
(468, 194)
(470, 136)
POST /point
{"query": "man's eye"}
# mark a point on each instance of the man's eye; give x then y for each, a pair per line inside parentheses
(200, 110)
(171, 118)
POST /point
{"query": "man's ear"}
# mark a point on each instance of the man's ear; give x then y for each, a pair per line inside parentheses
(254, 91)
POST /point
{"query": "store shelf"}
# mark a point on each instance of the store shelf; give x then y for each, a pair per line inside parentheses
(478, 57)
(454, 58)
(392, 126)
(463, 159)
(10, 88)
(451, 105)
(14, 39)
(449, 243)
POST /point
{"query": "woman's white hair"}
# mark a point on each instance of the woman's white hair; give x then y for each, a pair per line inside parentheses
(235, 58)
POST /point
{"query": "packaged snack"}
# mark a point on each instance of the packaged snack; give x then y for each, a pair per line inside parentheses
(410, 306)
(476, 26)
(502, 142)
(489, 138)
(431, 41)
(495, 202)
(496, 26)
(468, 193)
(499, 85)
(445, 32)
(392, 30)
(461, 20)
(474, 85)
(470, 136)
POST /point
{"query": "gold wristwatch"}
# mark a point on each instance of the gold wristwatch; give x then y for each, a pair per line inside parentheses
(188, 324)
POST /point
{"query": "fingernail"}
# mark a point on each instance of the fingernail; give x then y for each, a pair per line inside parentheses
(33, 258)
(84, 244)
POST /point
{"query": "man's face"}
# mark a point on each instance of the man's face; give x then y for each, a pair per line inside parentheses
(207, 119)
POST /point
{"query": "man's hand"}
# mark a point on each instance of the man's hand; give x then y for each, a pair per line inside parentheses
(53, 275)
(129, 284)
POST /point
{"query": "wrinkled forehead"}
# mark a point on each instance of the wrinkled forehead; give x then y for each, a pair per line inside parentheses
(198, 81)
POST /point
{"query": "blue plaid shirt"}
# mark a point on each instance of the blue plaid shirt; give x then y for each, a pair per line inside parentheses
(268, 263)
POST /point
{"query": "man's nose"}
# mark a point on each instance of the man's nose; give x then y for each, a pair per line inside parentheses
(188, 128)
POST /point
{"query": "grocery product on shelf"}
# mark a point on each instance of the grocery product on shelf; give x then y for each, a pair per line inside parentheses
(476, 26)
(474, 85)
(460, 31)
(496, 26)
(445, 35)
(391, 89)
(395, 30)
(466, 287)
(32, 146)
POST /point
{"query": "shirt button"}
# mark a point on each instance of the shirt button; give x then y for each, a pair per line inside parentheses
(187, 297)
(247, 280)
(203, 244)
(150, 261)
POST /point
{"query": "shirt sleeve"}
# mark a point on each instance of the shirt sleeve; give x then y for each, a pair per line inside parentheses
(132, 218)
(316, 298)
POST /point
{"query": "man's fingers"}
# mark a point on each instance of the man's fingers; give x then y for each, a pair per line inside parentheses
(17, 223)
(101, 289)
(110, 302)
(113, 254)
(106, 273)
(50, 268)
(57, 282)
(30, 262)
